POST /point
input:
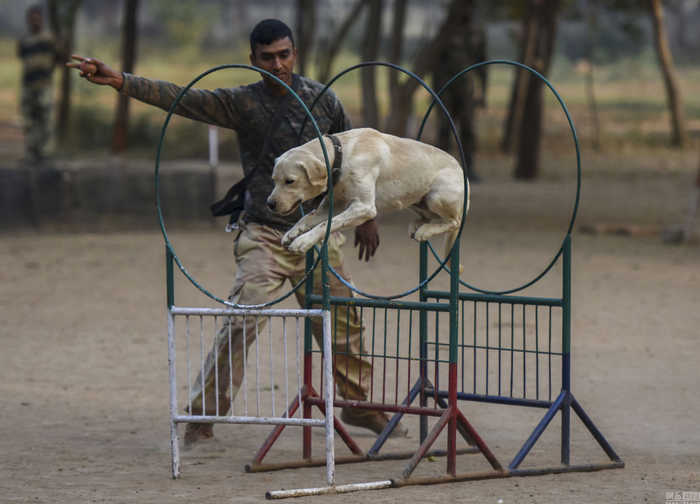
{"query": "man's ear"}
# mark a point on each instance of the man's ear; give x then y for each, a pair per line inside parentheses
(315, 171)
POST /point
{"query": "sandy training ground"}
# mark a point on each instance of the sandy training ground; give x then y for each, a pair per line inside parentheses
(84, 375)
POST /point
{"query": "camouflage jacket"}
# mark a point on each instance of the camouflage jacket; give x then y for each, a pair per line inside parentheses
(38, 55)
(249, 110)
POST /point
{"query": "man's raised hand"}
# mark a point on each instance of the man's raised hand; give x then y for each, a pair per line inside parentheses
(96, 71)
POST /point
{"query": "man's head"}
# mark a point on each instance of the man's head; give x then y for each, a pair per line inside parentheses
(35, 19)
(272, 49)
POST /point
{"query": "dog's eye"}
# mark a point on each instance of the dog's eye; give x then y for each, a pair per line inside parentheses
(289, 181)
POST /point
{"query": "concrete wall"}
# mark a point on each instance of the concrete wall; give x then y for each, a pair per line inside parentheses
(91, 195)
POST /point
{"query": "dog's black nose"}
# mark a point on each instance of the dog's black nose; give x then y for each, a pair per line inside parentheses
(271, 205)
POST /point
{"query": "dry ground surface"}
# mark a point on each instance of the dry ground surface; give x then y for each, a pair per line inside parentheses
(84, 376)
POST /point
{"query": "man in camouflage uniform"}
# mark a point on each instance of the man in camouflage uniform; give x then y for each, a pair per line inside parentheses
(263, 265)
(37, 51)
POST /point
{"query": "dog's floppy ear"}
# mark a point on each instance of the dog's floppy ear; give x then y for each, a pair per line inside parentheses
(315, 171)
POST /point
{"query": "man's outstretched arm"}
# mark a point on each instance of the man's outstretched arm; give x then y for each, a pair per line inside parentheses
(214, 107)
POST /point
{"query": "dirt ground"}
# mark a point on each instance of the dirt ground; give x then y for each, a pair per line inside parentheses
(84, 376)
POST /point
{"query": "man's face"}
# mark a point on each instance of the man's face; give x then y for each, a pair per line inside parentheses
(34, 21)
(278, 58)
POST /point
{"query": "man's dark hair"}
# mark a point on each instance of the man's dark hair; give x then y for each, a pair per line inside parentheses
(34, 8)
(268, 31)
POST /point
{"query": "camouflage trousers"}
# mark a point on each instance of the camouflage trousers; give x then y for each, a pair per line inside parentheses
(36, 115)
(263, 266)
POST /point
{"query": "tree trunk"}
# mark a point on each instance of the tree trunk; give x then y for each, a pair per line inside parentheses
(397, 38)
(423, 63)
(306, 27)
(675, 102)
(370, 52)
(62, 15)
(129, 38)
(590, 79)
(326, 61)
(516, 107)
(530, 127)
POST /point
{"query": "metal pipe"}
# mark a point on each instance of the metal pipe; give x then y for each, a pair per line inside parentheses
(329, 389)
(383, 303)
(317, 401)
(510, 401)
(269, 312)
(538, 431)
(497, 298)
(174, 444)
(339, 489)
(305, 422)
(351, 459)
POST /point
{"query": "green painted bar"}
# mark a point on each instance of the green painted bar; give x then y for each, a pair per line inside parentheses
(170, 286)
(308, 293)
(454, 303)
(382, 303)
(423, 336)
(493, 298)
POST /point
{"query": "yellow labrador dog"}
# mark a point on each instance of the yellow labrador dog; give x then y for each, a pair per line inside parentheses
(379, 172)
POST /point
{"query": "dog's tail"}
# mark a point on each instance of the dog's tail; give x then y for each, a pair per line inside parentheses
(450, 239)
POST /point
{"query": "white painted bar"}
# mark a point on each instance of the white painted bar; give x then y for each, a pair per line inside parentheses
(310, 422)
(328, 389)
(339, 489)
(291, 312)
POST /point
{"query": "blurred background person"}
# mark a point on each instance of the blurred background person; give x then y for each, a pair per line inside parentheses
(37, 50)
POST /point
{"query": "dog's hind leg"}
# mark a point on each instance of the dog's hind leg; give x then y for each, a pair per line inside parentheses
(442, 205)
(421, 218)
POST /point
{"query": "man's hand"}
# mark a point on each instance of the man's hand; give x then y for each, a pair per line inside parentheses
(367, 237)
(97, 72)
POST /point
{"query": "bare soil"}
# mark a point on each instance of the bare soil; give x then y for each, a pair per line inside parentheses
(84, 376)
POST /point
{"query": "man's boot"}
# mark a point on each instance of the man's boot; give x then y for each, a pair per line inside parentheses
(371, 419)
(196, 432)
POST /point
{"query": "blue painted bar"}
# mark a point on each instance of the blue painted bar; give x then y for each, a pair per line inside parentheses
(594, 430)
(511, 401)
(381, 439)
(538, 431)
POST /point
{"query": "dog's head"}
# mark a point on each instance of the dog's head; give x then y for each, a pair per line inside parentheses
(298, 176)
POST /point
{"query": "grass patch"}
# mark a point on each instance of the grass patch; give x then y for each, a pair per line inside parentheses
(630, 97)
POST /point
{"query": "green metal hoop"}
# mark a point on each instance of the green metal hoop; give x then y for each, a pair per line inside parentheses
(578, 170)
(161, 221)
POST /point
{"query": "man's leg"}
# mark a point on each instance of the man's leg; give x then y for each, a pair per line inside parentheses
(353, 371)
(258, 278)
(30, 125)
(43, 123)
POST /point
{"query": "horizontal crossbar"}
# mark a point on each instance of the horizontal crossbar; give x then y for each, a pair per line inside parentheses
(309, 422)
(493, 298)
(512, 401)
(233, 312)
(378, 406)
(382, 303)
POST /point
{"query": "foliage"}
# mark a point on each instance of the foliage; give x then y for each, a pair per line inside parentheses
(185, 22)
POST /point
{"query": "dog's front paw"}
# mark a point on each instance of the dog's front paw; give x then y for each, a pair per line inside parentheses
(288, 238)
(301, 245)
(412, 227)
(421, 234)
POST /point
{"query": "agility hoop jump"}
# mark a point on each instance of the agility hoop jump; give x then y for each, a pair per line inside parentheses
(427, 355)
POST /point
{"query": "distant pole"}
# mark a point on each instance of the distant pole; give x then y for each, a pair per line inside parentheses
(213, 146)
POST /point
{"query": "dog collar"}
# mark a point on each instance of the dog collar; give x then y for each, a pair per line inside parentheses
(337, 160)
